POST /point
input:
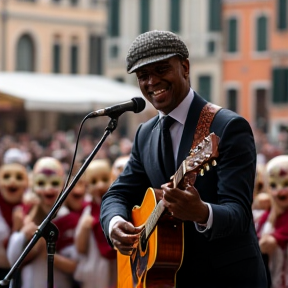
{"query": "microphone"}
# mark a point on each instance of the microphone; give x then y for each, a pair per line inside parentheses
(136, 104)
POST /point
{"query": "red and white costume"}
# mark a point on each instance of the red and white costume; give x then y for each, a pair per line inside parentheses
(97, 269)
(272, 226)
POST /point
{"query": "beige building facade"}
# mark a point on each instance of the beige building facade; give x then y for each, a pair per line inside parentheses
(51, 31)
(48, 37)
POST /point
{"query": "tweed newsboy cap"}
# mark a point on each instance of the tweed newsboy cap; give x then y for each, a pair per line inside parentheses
(154, 46)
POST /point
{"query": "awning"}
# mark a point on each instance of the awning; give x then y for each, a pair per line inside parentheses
(66, 93)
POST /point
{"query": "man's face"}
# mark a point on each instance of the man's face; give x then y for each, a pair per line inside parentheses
(165, 83)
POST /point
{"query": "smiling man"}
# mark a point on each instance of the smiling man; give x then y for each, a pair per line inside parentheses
(220, 244)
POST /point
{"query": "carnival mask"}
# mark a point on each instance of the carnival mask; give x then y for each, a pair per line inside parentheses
(277, 173)
(98, 175)
(13, 182)
(48, 177)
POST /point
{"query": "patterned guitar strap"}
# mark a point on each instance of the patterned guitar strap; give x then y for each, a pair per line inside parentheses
(202, 130)
(203, 126)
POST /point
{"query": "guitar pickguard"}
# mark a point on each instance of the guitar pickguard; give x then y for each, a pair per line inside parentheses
(139, 266)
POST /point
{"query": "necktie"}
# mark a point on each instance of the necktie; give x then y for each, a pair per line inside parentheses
(166, 146)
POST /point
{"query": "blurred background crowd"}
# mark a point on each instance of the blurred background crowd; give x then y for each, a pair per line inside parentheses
(61, 145)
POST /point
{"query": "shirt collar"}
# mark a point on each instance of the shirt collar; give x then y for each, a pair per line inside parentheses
(181, 111)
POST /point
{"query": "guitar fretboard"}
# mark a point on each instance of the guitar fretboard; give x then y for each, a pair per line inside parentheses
(153, 218)
(177, 177)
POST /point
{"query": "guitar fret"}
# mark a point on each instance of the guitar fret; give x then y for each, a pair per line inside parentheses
(153, 218)
(179, 174)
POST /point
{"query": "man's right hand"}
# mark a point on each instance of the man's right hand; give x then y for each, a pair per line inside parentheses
(125, 237)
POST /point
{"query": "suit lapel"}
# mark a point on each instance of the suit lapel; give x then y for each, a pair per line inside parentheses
(190, 126)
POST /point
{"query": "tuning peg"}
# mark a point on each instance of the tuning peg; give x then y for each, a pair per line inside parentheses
(207, 167)
(202, 172)
(214, 163)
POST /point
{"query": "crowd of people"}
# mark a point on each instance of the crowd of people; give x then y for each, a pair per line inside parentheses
(31, 179)
(28, 191)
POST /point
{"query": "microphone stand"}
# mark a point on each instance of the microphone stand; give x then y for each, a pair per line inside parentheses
(47, 229)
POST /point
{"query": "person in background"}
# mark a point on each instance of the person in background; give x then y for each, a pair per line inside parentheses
(118, 166)
(13, 185)
(272, 226)
(47, 183)
(67, 220)
(97, 267)
(261, 199)
(220, 244)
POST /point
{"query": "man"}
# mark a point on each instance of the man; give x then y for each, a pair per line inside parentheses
(220, 243)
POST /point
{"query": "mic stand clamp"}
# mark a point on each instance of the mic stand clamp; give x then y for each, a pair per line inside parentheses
(50, 234)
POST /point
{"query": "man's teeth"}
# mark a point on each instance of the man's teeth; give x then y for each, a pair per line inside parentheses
(158, 91)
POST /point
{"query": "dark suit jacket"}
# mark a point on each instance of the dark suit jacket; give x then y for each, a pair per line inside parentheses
(227, 255)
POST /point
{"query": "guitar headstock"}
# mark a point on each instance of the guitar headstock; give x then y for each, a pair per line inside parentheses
(199, 160)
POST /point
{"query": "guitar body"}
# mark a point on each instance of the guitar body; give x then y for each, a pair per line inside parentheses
(153, 264)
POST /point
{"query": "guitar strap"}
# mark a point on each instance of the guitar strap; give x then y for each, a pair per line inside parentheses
(203, 126)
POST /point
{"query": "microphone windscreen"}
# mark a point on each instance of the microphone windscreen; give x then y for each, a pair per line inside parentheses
(139, 104)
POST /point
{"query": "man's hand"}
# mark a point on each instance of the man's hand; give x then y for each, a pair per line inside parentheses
(125, 236)
(158, 194)
(185, 204)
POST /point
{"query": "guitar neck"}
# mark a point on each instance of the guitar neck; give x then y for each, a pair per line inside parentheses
(153, 218)
(183, 176)
(178, 176)
(160, 209)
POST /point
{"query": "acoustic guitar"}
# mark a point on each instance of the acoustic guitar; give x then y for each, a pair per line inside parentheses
(158, 256)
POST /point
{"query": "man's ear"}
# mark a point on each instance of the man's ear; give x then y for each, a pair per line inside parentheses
(186, 67)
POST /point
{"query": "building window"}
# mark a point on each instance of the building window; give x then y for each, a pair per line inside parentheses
(175, 9)
(74, 59)
(211, 47)
(114, 17)
(232, 35)
(232, 99)
(144, 15)
(214, 15)
(114, 51)
(280, 85)
(119, 79)
(95, 55)
(261, 34)
(56, 58)
(281, 16)
(261, 110)
(25, 54)
(204, 87)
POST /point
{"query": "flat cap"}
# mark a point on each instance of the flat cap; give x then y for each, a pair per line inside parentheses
(154, 46)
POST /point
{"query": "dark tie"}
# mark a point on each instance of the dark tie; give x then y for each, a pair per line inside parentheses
(166, 146)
